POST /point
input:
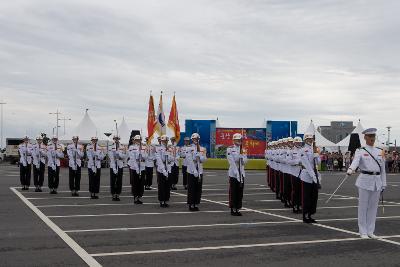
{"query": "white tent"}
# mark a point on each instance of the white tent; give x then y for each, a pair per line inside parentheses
(320, 140)
(86, 129)
(124, 132)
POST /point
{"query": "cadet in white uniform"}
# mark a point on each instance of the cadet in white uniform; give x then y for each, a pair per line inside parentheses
(310, 178)
(54, 154)
(117, 155)
(237, 158)
(164, 160)
(39, 163)
(174, 175)
(137, 164)
(25, 163)
(196, 156)
(183, 152)
(75, 155)
(371, 182)
(95, 155)
(150, 150)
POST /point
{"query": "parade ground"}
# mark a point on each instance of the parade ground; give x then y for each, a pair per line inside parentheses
(39, 229)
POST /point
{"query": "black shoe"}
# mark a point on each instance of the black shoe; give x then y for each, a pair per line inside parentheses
(146, 188)
(53, 192)
(238, 213)
(196, 209)
(191, 208)
(305, 220)
(76, 194)
(185, 187)
(114, 198)
(286, 205)
(312, 220)
(92, 197)
(139, 202)
(37, 189)
(96, 197)
(166, 205)
(40, 189)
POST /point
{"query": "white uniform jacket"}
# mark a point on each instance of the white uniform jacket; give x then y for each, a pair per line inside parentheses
(235, 160)
(364, 161)
(75, 154)
(54, 154)
(95, 156)
(25, 154)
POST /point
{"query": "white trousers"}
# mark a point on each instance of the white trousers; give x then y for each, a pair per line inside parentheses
(367, 209)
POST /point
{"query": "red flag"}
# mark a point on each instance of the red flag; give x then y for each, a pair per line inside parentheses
(151, 120)
(173, 121)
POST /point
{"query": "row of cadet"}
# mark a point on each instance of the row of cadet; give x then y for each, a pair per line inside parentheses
(141, 159)
(292, 174)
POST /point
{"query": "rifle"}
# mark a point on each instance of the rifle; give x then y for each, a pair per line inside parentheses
(315, 165)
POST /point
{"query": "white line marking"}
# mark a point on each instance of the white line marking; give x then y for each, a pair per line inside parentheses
(290, 218)
(154, 196)
(102, 204)
(137, 214)
(175, 227)
(226, 247)
(67, 239)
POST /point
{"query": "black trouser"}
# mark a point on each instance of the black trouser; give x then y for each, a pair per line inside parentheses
(278, 183)
(116, 181)
(267, 176)
(94, 181)
(137, 183)
(149, 176)
(195, 187)
(272, 173)
(184, 175)
(53, 177)
(296, 191)
(174, 175)
(235, 193)
(25, 174)
(75, 179)
(310, 198)
(164, 188)
(38, 175)
(287, 188)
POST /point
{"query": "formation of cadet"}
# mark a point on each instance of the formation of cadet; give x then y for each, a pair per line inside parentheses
(371, 182)
(292, 174)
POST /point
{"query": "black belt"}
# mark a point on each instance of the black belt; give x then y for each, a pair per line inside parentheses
(371, 173)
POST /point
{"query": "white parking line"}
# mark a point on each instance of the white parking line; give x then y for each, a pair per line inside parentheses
(137, 214)
(176, 227)
(68, 240)
(225, 247)
(102, 204)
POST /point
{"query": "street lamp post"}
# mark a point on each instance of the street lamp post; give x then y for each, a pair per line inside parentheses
(388, 137)
(56, 113)
(64, 119)
(1, 135)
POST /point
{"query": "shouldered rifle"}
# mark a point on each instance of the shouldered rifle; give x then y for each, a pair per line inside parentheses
(315, 165)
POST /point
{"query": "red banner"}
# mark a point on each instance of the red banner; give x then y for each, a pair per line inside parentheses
(254, 141)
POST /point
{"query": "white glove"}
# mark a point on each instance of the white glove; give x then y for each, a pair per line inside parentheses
(196, 174)
(349, 172)
(165, 173)
(383, 188)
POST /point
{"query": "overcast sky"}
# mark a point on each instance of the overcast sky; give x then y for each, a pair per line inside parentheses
(240, 61)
